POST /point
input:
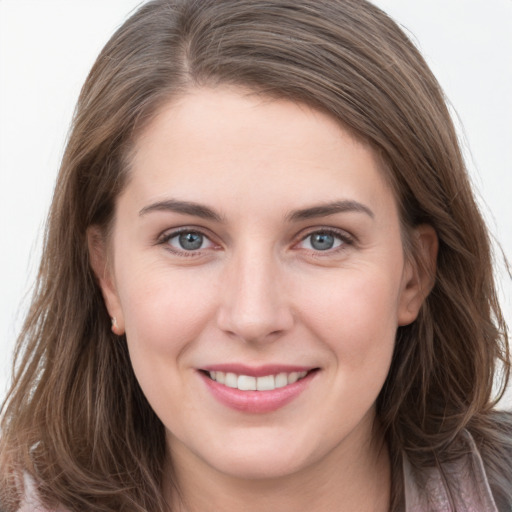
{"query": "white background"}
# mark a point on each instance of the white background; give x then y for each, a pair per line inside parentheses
(48, 46)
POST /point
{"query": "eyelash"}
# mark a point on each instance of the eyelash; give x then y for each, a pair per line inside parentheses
(342, 236)
(166, 238)
(345, 239)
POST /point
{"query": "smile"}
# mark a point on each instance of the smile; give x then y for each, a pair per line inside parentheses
(250, 383)
(257, 390)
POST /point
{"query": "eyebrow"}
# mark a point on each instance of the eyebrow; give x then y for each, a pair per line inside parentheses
(324, 210)
(204, 212)
(183, 207)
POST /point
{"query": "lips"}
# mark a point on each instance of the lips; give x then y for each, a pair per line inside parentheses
(256, 389)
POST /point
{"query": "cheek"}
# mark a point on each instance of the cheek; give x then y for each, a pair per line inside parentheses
(164, 310)
(165, 314)
(355, 314)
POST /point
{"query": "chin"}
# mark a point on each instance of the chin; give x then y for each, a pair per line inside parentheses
(261, 468)
(264, 458)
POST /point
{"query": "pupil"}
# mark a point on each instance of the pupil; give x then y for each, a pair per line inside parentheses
(322, 241)
(191, 241)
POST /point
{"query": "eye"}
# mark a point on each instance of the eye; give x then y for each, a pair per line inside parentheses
(324, 240)
(187, 241)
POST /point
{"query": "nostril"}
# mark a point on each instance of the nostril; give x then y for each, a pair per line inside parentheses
(252, 330)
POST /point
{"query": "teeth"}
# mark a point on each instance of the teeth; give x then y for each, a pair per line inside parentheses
(231, 380)
(281, 380)
(293, 377)
(266, 383)
(248, 383)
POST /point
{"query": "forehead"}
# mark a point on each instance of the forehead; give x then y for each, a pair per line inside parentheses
(230, 143)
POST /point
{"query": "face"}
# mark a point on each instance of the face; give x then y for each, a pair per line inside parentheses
(257, 269)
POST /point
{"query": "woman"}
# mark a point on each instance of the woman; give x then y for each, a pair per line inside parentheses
(265, 284)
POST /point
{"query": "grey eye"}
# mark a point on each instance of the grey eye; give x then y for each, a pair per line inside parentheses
(187, 242)
(322, 241)
(190, 241)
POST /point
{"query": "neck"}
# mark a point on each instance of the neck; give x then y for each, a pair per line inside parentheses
(346, 479)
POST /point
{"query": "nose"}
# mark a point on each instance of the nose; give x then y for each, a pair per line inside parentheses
(254, 305)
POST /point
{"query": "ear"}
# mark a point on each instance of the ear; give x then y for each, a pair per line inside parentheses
(419, 273)
(98, 255)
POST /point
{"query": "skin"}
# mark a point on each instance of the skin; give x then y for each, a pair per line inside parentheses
(258, 292)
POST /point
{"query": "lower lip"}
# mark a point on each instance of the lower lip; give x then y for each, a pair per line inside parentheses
(257, 401)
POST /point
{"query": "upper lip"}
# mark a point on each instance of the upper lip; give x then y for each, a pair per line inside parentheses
(256, 371)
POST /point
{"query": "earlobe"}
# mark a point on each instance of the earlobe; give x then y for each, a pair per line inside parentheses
(419, 273)
(98, 255)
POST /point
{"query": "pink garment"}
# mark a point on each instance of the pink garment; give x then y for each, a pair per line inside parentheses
(466, 474)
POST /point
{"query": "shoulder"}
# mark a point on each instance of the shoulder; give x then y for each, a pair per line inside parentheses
(494, 440)
(467, 483)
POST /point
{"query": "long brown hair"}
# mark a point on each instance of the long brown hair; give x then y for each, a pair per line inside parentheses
(75, 418)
